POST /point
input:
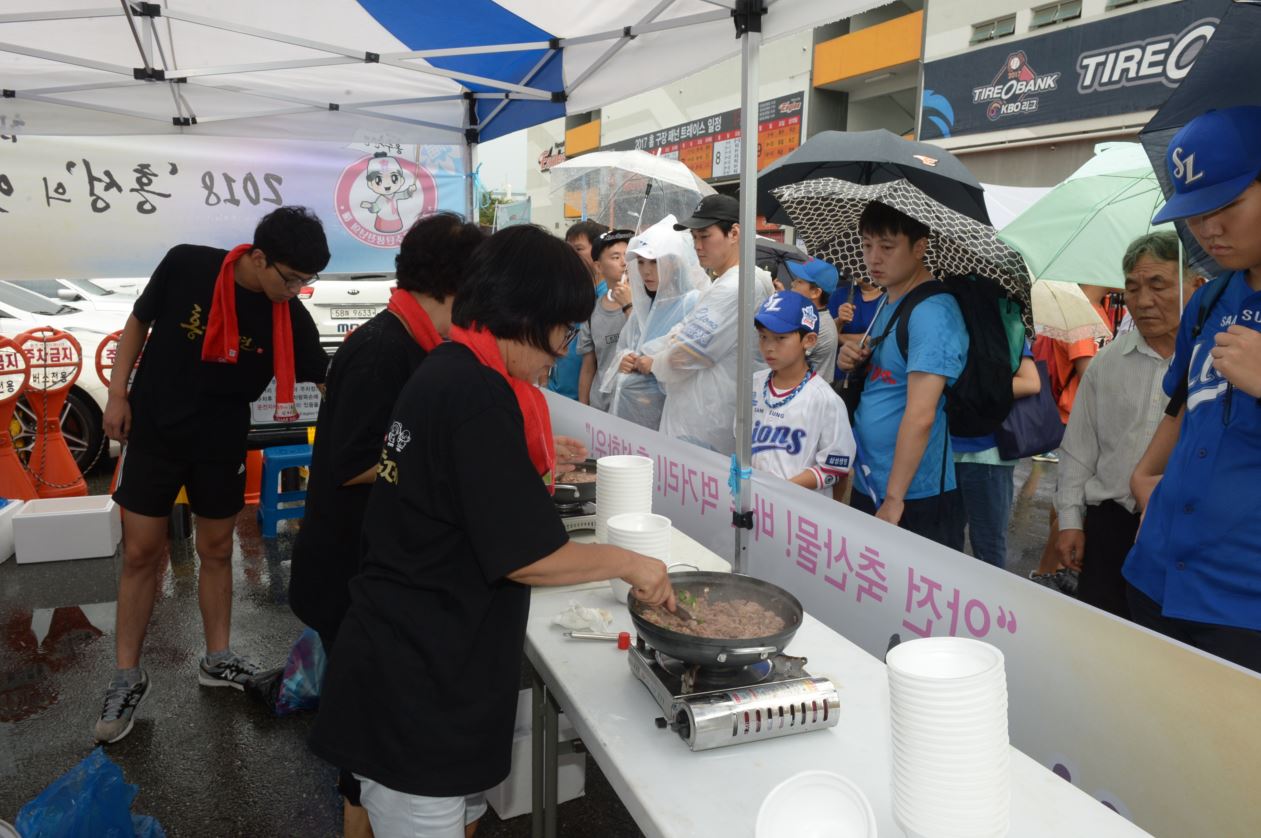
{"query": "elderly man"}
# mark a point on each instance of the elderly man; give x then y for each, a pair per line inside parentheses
(1119, 404)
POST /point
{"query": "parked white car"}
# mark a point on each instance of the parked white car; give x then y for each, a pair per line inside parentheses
(131, 285)
(21, 310)
(340, 302)
(81, 293)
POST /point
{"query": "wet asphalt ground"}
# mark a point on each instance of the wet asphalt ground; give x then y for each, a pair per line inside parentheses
(209, 762)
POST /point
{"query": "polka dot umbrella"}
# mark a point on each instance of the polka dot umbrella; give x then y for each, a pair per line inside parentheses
(825, 213)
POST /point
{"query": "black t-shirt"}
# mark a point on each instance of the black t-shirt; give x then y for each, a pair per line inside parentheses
(421, 690)
(189, 409)
(364, 381)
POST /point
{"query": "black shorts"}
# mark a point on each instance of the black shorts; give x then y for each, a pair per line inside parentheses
(149, 484)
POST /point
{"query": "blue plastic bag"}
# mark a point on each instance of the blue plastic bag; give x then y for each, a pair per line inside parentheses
(304, 674)
(92, 799)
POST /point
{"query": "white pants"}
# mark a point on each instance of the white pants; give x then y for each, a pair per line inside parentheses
(397, 815)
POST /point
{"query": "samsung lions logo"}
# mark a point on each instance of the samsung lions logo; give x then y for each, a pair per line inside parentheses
(1184, 168)
(809, 318)
(777, 437)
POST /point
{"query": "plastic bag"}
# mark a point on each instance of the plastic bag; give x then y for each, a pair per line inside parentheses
(303, 675)
(580, 618)
(93, 799)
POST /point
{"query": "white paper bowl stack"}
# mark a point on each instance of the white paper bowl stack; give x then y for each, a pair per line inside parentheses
(642, 532)
(951, 756)
(623, 484)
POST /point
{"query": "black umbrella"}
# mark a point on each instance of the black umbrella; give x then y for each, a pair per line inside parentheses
(1219, 79)
(773, 257)
(868, 157)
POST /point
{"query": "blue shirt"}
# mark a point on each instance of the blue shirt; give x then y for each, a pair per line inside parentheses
(938, 344)
(1198, 553)
(566, 370)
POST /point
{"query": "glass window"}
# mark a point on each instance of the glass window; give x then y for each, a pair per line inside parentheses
(88, 287)
(991, 29)
(1055, 13)
(25, 300)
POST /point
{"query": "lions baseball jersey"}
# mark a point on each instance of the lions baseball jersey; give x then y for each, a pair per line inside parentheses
(1198, 553)
(808, 431)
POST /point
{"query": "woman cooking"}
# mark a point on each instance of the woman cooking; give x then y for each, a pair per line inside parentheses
(420, 697)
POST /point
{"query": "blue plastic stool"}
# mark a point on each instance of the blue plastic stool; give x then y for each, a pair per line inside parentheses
(275, 461)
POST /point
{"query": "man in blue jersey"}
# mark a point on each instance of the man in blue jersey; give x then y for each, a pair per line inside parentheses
(1195, 571)
(906, 474)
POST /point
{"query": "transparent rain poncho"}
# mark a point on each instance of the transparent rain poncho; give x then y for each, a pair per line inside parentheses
(695, 364)
(634, 396)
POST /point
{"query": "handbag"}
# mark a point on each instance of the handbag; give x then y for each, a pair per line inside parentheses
(850, 389)
(1033, 426)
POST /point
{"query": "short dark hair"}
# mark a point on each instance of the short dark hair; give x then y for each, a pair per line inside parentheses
(293, 236)
(434, 252)
(521, 283)
(1162, 246)
(590, 229)
(883, 220)
(607, 239)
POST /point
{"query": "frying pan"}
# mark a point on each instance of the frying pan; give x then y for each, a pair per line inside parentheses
(567, 493)
(715, 652)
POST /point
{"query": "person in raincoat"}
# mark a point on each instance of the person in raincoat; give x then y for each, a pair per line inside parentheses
(665, 281)
(696, 365)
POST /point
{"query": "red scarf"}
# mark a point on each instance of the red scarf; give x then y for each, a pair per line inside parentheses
(538, 422)
(222, 343)
(414, 316)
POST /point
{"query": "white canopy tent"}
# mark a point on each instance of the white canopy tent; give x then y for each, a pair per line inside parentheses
(392, 70)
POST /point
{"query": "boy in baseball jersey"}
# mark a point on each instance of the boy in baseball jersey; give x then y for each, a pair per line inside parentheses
(800, 426)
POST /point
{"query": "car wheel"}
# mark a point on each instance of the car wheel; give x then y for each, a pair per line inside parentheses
(80, 425)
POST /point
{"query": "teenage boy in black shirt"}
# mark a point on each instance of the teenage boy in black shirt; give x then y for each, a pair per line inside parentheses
(223, 323)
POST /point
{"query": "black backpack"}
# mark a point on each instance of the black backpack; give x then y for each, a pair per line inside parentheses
(981, 397)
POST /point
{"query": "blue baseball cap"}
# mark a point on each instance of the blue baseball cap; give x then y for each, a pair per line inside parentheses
(787, 311)
(1211, 161)
(821, 273)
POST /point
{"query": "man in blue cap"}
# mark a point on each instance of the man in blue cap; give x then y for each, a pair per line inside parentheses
(816, 280)
(1195, 571)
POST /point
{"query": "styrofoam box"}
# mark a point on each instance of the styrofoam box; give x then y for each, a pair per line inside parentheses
(7, 512)
(512, 797)
(59, 529)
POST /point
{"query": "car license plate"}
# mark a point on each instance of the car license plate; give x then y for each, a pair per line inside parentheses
(352, 313)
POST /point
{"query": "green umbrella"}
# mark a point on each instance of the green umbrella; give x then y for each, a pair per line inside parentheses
(1079, 231)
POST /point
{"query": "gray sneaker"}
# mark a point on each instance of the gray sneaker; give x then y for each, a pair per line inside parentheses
(1047, 580)
(118, 714)
(235, 672)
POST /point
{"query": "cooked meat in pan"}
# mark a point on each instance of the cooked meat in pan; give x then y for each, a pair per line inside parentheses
(731, 619)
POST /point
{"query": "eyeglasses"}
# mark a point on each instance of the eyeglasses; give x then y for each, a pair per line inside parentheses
(292, 283)
(571, 332)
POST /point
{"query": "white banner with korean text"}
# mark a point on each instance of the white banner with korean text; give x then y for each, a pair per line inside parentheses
(1160, 732)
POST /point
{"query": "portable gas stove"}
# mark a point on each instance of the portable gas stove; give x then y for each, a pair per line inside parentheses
(717, 707)
(576, 517)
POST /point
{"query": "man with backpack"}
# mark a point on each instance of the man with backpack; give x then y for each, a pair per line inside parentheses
(906, 475)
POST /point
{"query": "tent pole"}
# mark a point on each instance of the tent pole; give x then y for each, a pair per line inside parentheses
(470, 189)
(750, 28)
